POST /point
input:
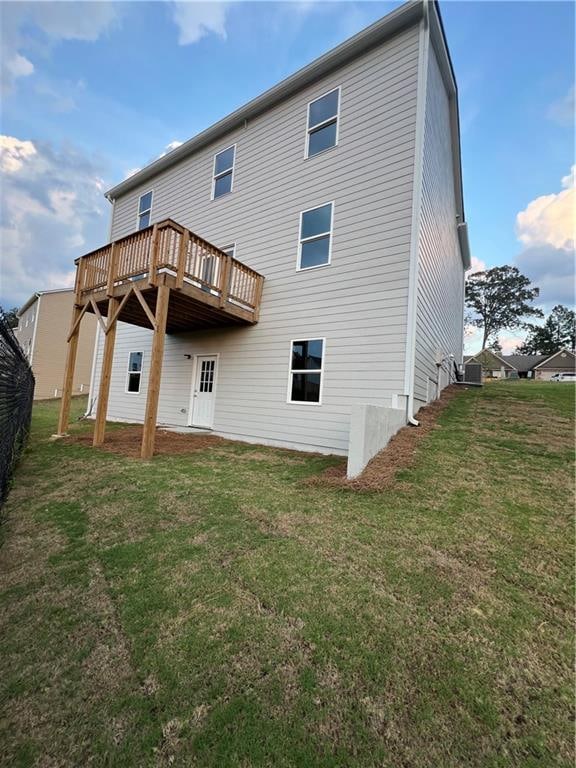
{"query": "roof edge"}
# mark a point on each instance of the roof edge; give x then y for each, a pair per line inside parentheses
(397, 20)
(36, 295)
(551, 357)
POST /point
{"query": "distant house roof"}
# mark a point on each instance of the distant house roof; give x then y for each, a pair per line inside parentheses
(524, 363)
(561, 359)
(489, 359)
(37, 295)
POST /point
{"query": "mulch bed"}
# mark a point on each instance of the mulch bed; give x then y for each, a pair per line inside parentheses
(127, 442)
(380, 472)
(378, 475)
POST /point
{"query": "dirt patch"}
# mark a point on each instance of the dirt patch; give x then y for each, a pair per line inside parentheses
(127, 442)
(398, 454)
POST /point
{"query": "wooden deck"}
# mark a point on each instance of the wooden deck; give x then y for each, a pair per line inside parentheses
(164, 278)
(208, 287)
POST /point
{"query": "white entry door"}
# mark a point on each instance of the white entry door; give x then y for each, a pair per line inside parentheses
(203, 391)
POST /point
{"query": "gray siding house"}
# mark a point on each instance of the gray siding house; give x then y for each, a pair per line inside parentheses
(342, 187)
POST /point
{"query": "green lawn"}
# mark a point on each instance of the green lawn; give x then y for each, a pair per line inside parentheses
(212, 609)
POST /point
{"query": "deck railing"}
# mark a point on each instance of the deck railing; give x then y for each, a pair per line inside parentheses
(169, 247)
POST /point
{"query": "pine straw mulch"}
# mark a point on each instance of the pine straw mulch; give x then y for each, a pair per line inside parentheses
(380, 471)
(126, 441)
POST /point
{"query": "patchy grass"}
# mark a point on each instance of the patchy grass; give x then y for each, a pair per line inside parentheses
(214, 609)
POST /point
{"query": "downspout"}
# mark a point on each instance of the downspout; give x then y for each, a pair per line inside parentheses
(410, 361)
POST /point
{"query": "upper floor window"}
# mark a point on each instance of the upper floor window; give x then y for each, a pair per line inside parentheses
(229, 250)
(315, 237)
(134, 372)
(144, 210)
(323, 123)
(306, 365)
(223, 172)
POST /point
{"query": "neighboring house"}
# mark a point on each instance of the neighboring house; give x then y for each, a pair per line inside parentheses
(43, 326)
(494, 366)
(341, 186)
(563, 361)
(541, 367)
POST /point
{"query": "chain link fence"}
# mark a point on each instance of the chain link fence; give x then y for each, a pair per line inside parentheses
(16, 395)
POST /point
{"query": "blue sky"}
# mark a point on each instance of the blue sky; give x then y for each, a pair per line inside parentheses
(94, 90)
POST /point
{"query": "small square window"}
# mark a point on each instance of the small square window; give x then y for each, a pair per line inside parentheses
(315, 237)
(322, 129)
(223, 172)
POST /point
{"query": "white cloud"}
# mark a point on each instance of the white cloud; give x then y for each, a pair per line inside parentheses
(546, 227)
(476, 265)
(550, 219)
(172, 145)
(14, 153)
(168, 148)
(196, 20)
(131, 172)
(562, 111)
(52, 212)
(19, 66)
(51, 22)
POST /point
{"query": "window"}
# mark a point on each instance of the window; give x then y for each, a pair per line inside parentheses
(229, 250)
(306, 361)
(144, 210)
(315, 237)
(323, 123)
(134, 372)
(223, 172)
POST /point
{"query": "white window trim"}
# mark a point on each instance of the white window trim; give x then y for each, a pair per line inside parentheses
(230, 247)
(301, 240)
(307, 370)
(223, 173)
(307, 155)
(128, 372)
(148, 210)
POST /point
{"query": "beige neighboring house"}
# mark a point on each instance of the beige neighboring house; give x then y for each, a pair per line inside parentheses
(44, 324)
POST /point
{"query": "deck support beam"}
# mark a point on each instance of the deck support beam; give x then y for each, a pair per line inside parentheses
(68, 384)
(155, 376)
(105, 374)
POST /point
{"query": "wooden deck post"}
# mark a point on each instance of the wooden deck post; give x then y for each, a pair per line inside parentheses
(105, 375)
(69, 371)
(155, 375)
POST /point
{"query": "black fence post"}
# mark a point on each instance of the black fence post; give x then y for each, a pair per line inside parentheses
(16, 396)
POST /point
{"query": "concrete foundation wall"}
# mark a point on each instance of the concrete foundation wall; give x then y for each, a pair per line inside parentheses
(371, 428)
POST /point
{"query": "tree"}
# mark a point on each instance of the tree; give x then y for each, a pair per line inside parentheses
(499, 299)
(558, 332)
(11, 316)
(495, 346)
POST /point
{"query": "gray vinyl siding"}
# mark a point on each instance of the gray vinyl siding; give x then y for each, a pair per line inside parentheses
(440, 298)
(358, 303)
